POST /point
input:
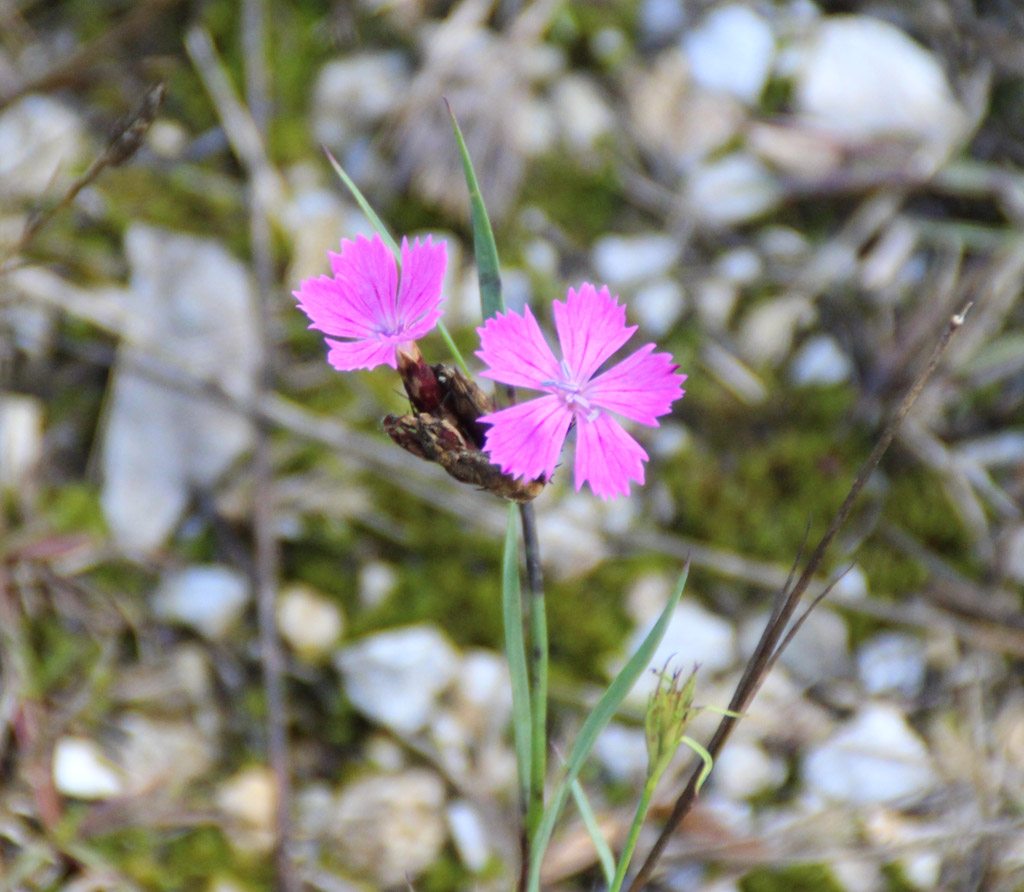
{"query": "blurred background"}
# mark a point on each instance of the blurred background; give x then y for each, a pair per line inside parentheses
(791, 197)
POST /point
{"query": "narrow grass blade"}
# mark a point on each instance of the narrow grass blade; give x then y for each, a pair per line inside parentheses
(600, 716)
(515, 650)
(487, 268)
(371, 215)
(604, 853)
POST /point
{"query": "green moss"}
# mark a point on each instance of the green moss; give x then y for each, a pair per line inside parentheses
(585, 203)
(182, 859)
(798, 878)
(75, 508)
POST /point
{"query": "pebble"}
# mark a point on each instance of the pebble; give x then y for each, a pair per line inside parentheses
(694, 636)
(469, 834)
(482, 697)
(661, 20)
(309, 622)
(892, 663)
(677, 123)
(819, 651)
(81, 770)
(657, 306)
(730, 190)
(209, 598)
(395, 677)
(860, 77)
(622, 751)
(731, 51)
(191, 302)
(875, 757)
(162, 753)
(767, 330)
(625, 259)
(390, 828)
(377, 582)
(820, 362)
(41, 144)
(742, 266)
(353, 92)
(743, 769)
(570, 530)
(1011, 553)
(21, 439)
(249, 801)
(715, 299)
(583, 114)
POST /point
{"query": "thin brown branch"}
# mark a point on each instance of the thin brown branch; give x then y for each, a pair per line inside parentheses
(769, 647)
(124, 142)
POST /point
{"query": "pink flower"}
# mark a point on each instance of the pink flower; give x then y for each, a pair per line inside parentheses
(526, 439)
(366, 302)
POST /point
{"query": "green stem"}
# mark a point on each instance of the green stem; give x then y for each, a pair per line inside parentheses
(538, 669)
(634, 831)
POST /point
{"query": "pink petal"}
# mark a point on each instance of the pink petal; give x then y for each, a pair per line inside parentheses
(368, 353)
(641, 387)
(367, 273)
(325, 302)
(419, 294)
(607, 457)
(516, 351)
(591, 327)
(525, 440)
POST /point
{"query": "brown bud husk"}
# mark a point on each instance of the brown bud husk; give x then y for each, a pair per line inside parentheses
(449, 433)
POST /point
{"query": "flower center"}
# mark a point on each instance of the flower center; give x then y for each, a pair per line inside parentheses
(573, 393)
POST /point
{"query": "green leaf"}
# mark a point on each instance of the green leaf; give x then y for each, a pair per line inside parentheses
(487, 268)
(515, 650)
(371, 215)
(600, 716)
(604, 853)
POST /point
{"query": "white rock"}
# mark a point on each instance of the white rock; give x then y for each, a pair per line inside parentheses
(309, 622)
(820, 362)
(21, 438)
(482, 699)
(249, 800)
(694, 636)
(192, 304)
(208, 597)
(377, 582)
(623, 752)
(161, 754)
(853, 584)
(356, 91)
(469, 834)
(540, 256)
(730, 190)
(820, 650)
(743, 769)
(876, 757)
(767, 330)
(390, 828)
(861, 77)
(395, 677)
(892, 662)
(41, 143)
(740, 265)
(81, 770)
(622, 259)
(1011, 553)
(582, 113)
(571, 531)
(731, 52)
(677, 123)
(660, 20)
(782, 243)
(658, 306)
(715, 299)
